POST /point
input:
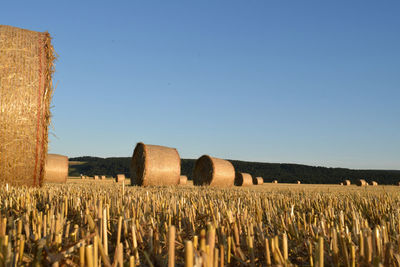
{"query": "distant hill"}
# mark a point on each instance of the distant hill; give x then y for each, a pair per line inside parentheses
(283, 172)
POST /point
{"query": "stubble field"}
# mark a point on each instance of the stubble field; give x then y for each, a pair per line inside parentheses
(93, 223)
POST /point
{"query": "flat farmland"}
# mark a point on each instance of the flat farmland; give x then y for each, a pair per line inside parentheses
(93, 223)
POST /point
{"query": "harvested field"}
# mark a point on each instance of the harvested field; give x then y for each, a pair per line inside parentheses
(67, 224)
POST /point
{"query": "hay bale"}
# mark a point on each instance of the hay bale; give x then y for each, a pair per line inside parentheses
(103, 177)
(96, 177)
(373, 183)
(155, 165)
(183, 180)
(258, 180)
(26, 68)
(275, 181)
(243, 179)
(341, 183)
(213, 172)
(361, 182)
(347, 182)
(120, 178)
(56, 169)
(298, 182)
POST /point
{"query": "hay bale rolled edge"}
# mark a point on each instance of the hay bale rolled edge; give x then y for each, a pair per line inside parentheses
(183, 180)
(26, 88)
(213, 172)
(155, 165)
(361, 182)
(258, 180)
(120, 178)
(243, 179)
(56, 169)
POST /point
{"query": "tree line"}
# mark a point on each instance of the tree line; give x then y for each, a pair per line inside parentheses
(283, 172)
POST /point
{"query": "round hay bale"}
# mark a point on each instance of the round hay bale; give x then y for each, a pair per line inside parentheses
(243, 179)
(347, 182)
(103, 177)
(298, 182)
(96, 177)
(258, 180)
(183, 180)
(341, 183)
(275, 181)
(26, 60)
(373, 183)
(213, 172)
(155, 165)
(120, 178)
(361, 182)
(56, 169)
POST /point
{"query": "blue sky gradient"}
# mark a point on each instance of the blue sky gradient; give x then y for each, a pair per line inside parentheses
(311, 82)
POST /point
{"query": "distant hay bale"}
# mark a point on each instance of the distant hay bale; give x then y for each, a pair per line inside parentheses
(341, 183)
(347, 182)
(183, 180)
(298, 182)
(213, 172)
(56, 169)
(26, 69)
(258, 180)
(155, 165)
(120, 178)
(96, 177)
(275, 181)
(103, 177)
(361, 182)
(243, 179)
(373, 183)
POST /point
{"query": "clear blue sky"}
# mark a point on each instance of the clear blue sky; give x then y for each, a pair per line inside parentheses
(313, 82)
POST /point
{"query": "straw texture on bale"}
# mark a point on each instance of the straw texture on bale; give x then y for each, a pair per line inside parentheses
(120, 178)
(155, 165)
(243, 179)
(347, 182)
(373, 183)
(183, 180)
(213, 172)
(26, 68)
(56, 169)
(258, 180)
(361, 182)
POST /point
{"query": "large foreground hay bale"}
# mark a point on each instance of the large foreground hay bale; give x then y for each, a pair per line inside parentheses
(213, 171)
(361, 182)
(26, 68)
(56, 169)
(155, 165)
(243, 179)
(120, 178)
(258, 180)
(347, 182)
(183, 180)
